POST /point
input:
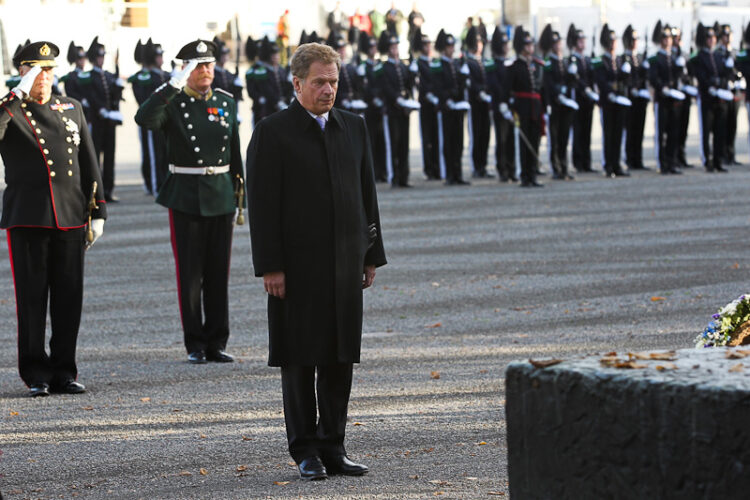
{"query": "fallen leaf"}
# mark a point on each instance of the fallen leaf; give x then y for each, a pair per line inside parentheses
(176, 410)
(434, 325)
(666, 366)
(88, 408)
(496, 493)
(613, 362)
(14, 414)
(246, 438)
(203, 472)
(414, 477)
(736, 265)
(203, 436)
(145, 400)
(657, 299)
(358, 423)
(281, 483)
(737, 368)
(660, 356)
(737, 354)
(185, 473)
(440, 482)
(434, 375)
(435, 284)
(612, 353)
(437, 493)
(545, 362)
(241, 468)
(481, 443)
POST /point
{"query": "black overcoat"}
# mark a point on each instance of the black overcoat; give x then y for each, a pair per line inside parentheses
(311, 198)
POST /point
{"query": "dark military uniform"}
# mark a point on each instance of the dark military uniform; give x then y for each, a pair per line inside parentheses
(227, 81)
(683, 78)
(581, 153)
(636, 84)
(374, 118)
(556, 82)
(497, 84)
(395, 81)
(50, 168)
(666, 110)
(428, 71)
(524, 77)
(609, 80)
(205, 163)
(78, 86)
(349, 89)
(727, 67)
(479, 115)
(708, 70)
(269, 88)
(743, 66)
(153, 144)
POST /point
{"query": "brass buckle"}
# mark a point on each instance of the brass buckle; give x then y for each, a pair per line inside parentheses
(210, 170)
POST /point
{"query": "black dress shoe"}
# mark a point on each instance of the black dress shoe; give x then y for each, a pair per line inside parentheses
(68, 387)
(569, 177)
(461, 182)
(312, 469)
(197, 357)
(36, 390)
(722, 170)
(341, 464)
(219, 357)
(536, 184)
(110, 198)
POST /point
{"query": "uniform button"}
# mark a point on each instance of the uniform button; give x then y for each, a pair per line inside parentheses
(224, 103)
(186, 115)
(70, 150)
(196, 149)
(200, 162)
(190, 126)
(68, 139)
(28, 113)
(42, 141)
(52, 174)
(70, 162)
(33, 122)
(70, 173)
(192, 99)
(192, 137)
(57, 101)
(220, 160)
(22, 105)
(50, 162)
(46, 151)
(182, 104)
(213, 98)
(226, 137)
(38, 131)
(223, 148)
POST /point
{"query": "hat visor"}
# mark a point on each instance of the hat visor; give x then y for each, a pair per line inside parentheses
(201, 59)
(47, 63)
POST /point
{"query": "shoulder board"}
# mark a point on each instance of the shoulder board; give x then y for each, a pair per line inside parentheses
(489, 64)
(260, 70)
(131, 78)
(652, 58)
(223, 92)
(596, 62)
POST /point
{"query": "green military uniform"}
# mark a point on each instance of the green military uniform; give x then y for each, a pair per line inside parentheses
(202, 134)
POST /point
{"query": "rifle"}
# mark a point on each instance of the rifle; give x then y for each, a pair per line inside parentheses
(117, 63)
(238, 42)
(645, 44)
(593, 43)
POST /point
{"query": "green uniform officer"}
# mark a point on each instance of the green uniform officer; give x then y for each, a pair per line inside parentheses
(205, 172)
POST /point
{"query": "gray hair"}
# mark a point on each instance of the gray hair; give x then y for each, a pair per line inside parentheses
(308, 53)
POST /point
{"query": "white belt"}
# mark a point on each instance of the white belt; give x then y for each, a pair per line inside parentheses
(199, 170)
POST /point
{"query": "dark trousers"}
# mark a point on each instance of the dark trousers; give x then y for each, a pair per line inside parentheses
(682, 132)
(398, 134)
(480, 135)
(453, 144)
(712, 130)
(635, 123)
(374, 122)
(505, 151)
(612, 125)
(316, 429)
(667, 130)
(732, 108)
(582, 136)
(430, 146)
(154, 164)
(528, 153)
(202, 247)
(47, 266)
(560, 120)
(103, 136)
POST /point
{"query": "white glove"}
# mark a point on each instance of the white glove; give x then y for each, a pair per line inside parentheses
(237, 82)
(461, 106)
(262, 100)
(626, 68)
(612, 97)
(180, 78)
(104, 113)
(568, 102)
(592, 95)
(27, 81)
(378, 102)
(358, 105)
(115, 116)
(742, 85)
(361, 71)
(572, 69)
(401, 102)
(689, 90)
(451, 104)
(97, 227)
(413, 66)
(730, 84)
(503, 107)
(712, 91)
(464, 69)
(120, 83)
(432, 98)
(623, 101)
(644, 94)
(646, 64)
(724, 95)
(85, 102)
(485, 96)
(674, 94)
(680, 62)
(729, 63)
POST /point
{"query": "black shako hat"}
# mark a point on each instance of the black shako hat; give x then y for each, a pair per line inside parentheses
(702, 33)
(499, 41)
(137, 54)
(746, 35)
(96, 49)
(661, 32)
(366, 42)
(418, 40)
(266, 49)
(521, 38)
(41, 54)
(150, 51)
(386, 40)
(221, 46)
(76, 52)
(548, 38)
(251, 48)
(574, 35)
(444, 40)
(335, 40)
(607, 37)
(472, 39)
(202, 51)
(629, 36)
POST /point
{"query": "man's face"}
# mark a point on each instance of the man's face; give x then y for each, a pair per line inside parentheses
(427, 48)
(275, 59)
(528, 49)
(480, 47)
(99, 61)
(581, 45)
(634, 45)
(726, 40)
(613, 47)
(557, 47)
(202, 77)
(393, 51)
(710, 42)
(222, 59)
(342, 52)
(372, 52)
(42, 87)
(159, 61)
(317, 92)
(666, 43)
(81, 62)
(448, 52)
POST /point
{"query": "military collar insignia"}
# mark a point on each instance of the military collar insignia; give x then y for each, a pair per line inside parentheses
(197, 95)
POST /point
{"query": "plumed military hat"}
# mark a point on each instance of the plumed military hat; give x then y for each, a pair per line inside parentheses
(574, 34)
(418, 40)
(95, 50)
(314, 38)
(746, 35)
(353, 35)
(521, 38)
(386, 40)
(251, 49)
(499, 40)
(659, 33)
(444, 40)
(41, 54)
(335, 40)
(702, 33)
(724, 30)
(200, 50)
(548, 38)
(76, 52)
(607, 37)
(366, 42)
(629, 36)
(472, 39)
(150, 51)
(221, 46)
(137, 54)
(266, 49)
(302, 38)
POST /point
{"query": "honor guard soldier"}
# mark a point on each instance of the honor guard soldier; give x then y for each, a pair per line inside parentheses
(662, 76)
(479, 100)
(613, 105)
(636, 83)
(13, 80)
(78, 81)
(267, 82)
(685, 86)
(349, 94)
(726, 55)
(497, 85)
(153, 145)
(557, 83)
(427, 70)
(368, 47)
(202, 190)
(585, 97)
(395, 82)
(223, 78)
(450, 89)
(53, 190)
(743, 66)
(525, 86)
(712, 98)
(104, 96)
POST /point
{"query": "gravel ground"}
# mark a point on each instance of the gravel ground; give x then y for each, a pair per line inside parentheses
(477, 277)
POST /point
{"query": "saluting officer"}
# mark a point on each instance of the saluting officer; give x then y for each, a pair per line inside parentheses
(50, 172)
(223, 78)
(497, 85)
(479, 100)
(104, 96)
(450, 89)
(725, 54)
(712, 99)
(662, 76)
(268, 83)
(425, 69)
(636, 83)
(202, 133)
(525, 86)
(395, 82)
(78, 80)
(368, 47)
(557, 84)
(585, 97)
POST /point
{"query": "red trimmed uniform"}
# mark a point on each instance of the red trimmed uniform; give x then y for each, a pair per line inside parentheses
(50, 166)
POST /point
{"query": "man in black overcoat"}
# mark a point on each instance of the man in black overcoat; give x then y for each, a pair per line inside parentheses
(316, 242)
